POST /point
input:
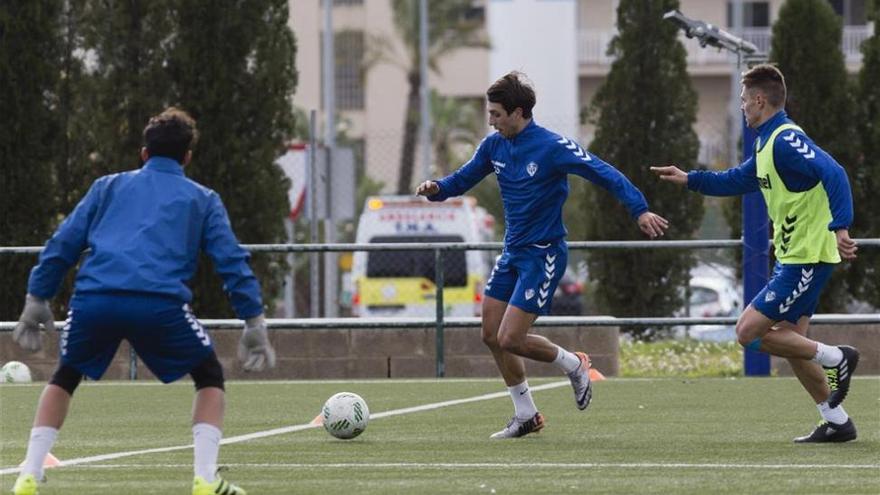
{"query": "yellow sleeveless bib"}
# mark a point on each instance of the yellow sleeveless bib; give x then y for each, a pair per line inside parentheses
(800, 219)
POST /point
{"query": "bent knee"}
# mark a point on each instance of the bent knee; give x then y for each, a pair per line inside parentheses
(510, 344)
(491, 341)
(746, 334)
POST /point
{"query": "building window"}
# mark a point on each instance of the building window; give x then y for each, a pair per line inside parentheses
(349, 47)
(852, 11)
(349, 70)
(755, 14)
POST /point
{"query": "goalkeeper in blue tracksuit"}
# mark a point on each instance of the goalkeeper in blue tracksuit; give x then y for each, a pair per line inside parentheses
(531, 164)
(144, 230)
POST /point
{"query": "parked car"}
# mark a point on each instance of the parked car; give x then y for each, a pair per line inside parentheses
(568, 300)
(714, 291)
(713, 297)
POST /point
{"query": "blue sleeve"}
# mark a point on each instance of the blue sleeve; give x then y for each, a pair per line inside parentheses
(575, 160)
(801, 165)
(231, 261)
(465, 177)
(732, 182)
(66, 245)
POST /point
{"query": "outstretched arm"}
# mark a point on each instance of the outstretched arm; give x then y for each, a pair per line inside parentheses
(733, 182)
(427, 188)
(576, 160)
(652, 224)
(462, 179)
(671, 173)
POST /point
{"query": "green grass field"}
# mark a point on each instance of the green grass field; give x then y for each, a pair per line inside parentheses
(668, 436)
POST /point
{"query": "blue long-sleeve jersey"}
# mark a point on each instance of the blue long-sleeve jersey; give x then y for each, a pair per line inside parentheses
(798, 172)
(532, 169)
(144, 229)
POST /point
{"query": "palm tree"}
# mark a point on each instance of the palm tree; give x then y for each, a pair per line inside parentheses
(456, 123)
(451, 26)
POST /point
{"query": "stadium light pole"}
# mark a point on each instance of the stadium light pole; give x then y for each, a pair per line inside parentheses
(755, 223)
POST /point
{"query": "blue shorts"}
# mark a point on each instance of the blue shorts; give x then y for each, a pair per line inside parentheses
(162, 330)
(793, 291)
(526, 277)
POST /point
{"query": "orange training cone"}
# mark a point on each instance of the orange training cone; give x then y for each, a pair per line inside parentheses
(596, 375)
(318, 421)
(49, 462)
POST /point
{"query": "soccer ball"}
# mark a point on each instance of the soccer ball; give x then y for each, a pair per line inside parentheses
(15, 372)
(346, 415)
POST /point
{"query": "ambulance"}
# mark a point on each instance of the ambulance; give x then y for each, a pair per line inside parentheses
(395, 282)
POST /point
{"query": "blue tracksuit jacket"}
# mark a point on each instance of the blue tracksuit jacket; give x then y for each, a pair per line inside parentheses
(532, 170)
(798, 172)
(144, 229)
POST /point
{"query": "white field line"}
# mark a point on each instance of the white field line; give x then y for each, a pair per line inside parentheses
(498, 465)
(427, 407)
(288, 429)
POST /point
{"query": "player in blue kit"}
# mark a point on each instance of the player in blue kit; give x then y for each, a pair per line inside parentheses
(144, 230)
(810, 203)
(531, 164)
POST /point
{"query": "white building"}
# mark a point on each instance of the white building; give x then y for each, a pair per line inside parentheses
(560, 44)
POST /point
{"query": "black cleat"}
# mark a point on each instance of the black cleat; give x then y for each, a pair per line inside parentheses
(839, 376)
(828, 432)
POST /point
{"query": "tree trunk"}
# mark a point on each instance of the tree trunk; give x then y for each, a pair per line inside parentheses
(410, 134)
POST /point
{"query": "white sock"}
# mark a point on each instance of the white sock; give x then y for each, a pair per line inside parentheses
(523, 405)
(206, 447)
(41, 442)
(567, 361)
(828, 355)
(837, 415)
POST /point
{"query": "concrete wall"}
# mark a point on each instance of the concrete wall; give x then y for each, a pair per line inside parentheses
(314, 354)
(865, 338)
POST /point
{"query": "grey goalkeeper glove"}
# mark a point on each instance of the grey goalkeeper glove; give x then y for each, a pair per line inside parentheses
(254, 349)
(27, 333)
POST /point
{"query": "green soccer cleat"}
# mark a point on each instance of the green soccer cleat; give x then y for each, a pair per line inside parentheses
(838, 377)
(217, 487)
(26, 484)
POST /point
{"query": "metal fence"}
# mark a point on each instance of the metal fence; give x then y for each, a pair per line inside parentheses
(439, 321)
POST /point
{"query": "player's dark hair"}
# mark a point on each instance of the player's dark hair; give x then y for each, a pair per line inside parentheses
(512, 92)
(171, 134)
(769, 80)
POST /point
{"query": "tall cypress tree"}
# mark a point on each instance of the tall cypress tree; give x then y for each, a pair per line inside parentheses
(233, 69)
(864, 279)
(29, 68)
(75, 109)
(129, 77)
(806, 47)
(646, 111)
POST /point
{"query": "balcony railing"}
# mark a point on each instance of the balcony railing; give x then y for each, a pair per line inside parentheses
(593, 46)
